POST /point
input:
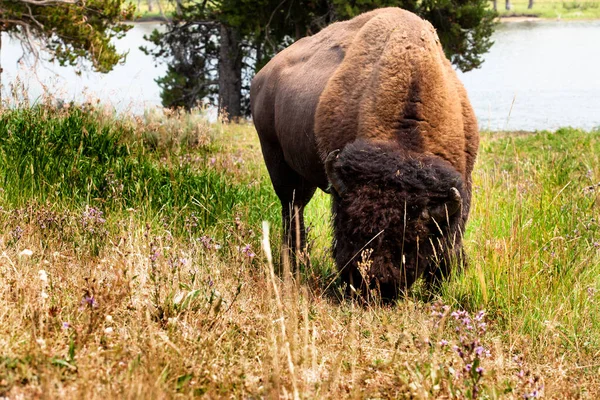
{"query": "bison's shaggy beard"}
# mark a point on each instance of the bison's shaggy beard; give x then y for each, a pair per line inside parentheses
(381, 209)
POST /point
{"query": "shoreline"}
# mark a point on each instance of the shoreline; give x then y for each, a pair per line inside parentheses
(524, 18)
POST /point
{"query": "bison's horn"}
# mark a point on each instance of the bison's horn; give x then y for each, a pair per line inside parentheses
(332, 175)
(447, 209)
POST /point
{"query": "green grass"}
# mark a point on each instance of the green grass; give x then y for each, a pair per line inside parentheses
(131, 267)
(144, 11)
(550, 9)
(534, 236)
(74, 159)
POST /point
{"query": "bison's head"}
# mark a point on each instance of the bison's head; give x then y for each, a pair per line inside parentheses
(395, 214)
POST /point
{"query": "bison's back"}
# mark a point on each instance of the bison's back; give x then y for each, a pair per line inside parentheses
(381, 76)
(396, 85)
(285, 93)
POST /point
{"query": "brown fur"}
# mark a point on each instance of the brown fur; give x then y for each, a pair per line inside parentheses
(382, 79)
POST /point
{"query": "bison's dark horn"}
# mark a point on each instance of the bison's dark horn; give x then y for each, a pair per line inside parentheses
(448, 209)
(332, 175)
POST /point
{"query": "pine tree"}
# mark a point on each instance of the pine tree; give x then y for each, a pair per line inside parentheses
(70, 30)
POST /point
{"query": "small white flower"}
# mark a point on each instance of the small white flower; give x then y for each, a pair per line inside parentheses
(109, 318)
(41, 342)
(108, 330)
(43, 275)
(178, 297)
(44, 295)
(26, 253)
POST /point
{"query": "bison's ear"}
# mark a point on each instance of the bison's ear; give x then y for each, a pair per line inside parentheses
(444, 211)
(332, 175)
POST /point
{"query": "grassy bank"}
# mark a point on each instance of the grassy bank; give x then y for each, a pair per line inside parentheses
(131, 267)
(152, 10)
(552, 9)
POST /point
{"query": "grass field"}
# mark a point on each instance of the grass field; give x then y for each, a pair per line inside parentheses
(552, 9)
(131, 267)
(155, 9)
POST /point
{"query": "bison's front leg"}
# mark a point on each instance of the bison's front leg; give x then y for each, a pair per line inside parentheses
(294, 193)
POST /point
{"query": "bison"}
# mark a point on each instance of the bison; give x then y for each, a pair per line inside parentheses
(371, 111)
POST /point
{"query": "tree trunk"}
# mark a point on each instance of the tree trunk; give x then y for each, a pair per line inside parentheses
(530, 6)
(508, 5)
(259, 55)
(230, 72)
(160, 10)
(149, 5)
(495, 2)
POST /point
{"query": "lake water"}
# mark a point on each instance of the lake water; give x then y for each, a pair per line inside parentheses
(130, 86)
(551, 69)
(538, 75)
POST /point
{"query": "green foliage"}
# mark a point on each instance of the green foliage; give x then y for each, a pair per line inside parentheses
(187, 50)
(70, 30)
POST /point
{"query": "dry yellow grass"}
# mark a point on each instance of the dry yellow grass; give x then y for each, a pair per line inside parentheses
(156, 317)
(119, 306)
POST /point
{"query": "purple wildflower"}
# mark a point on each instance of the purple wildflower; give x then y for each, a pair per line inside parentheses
(479, 316)
(154, 255)
(479, 350)
(92, 219)
(89, 301)
(248, 251)
(209, 243)
(17, 233)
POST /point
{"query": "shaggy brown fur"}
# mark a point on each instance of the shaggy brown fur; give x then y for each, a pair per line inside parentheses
(378, 88)
(387, 189)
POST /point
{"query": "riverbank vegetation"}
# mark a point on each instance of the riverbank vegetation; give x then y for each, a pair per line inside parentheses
(552, 9)
(131, 267)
